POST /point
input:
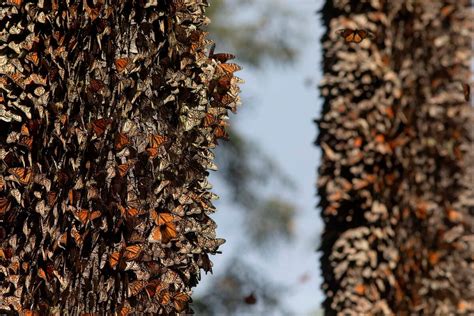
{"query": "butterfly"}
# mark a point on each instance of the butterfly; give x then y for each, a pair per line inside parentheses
(179, 300)
(85, 215)
(121, 64)
(129, 212)
(128, 253)
(230, 68)
(355, 35)
(157, 140)
(15, 2)
(223, 57)
(96, 85)
(23, 175)
(123, 168)
(121, 140)
(220, 132)
(99, 126)
(4, 205)
(165, 229)
(136, 287)
(467, 92)
(33, 57)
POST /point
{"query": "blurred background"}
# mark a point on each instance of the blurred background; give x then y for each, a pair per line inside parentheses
(267, 175)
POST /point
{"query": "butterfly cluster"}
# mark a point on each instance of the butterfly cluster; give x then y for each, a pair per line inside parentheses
(109, 111)
(394, 135)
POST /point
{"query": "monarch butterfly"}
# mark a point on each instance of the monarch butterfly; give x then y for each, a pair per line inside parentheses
(121, 64)
(23, 175)
(114, 259)
(85, 215)
(180, 300)
(230, 68)
(26, 141)
(219, 132)
(157, 140)
(355, 35)
(96, 85)
(209, 120)
(132, 252)
(467, 91)
(136, 287)
(152, 152)
(2, 183)
(223, 57)
(100, 125)
(161, 218)
(123, 169)
(33, 57)
(129, 212)
(121, 140)
(15, 2)
(163, 233)
(4, 205)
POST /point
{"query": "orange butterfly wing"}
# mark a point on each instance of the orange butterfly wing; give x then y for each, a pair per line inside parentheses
(121, 64)
(132, 252)
(157, 140)
(4, 205)
(123, 169)
(121, 140)
(136, 287)
(164, 218)
(230, 68)
(23, 175)
(100, 125)
(33, 57)
(168, 232)
(180, 301)
(114, 259)
(223, 57)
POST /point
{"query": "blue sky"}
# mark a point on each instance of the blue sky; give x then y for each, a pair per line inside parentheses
(279, 118)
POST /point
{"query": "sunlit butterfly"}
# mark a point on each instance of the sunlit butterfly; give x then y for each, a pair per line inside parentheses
(163, 233)
(467, 91)
(355, 35)
(230, 68)
(121, 64)
(132, 252)
(23, 175)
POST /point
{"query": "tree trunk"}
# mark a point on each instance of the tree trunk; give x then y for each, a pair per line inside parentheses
(108, 114)
(395, 198)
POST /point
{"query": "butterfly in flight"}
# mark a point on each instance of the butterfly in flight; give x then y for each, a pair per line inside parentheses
(355, 35)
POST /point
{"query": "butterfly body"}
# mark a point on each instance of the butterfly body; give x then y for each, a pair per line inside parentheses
(355, 35)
